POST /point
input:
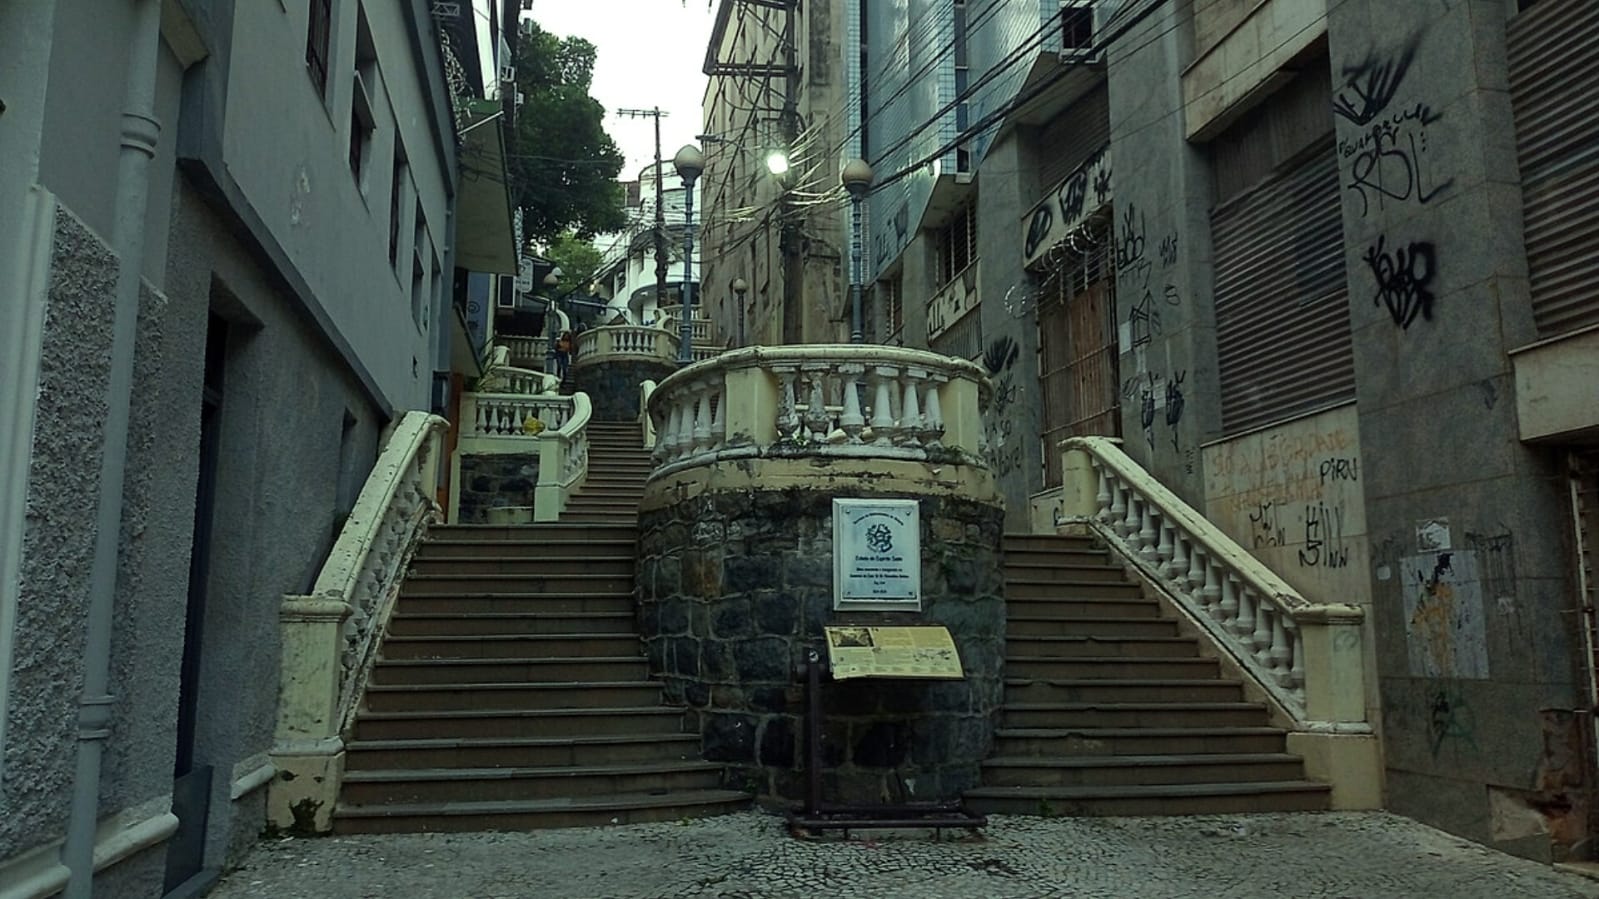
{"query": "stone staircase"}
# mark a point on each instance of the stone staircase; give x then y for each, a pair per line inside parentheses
(1109, 710)
(511, 691)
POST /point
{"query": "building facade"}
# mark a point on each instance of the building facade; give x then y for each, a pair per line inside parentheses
(229, 269)
(1319, 266)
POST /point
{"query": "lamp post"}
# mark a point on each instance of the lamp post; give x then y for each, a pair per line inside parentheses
(739, 286)
(551, 281)
(689, 162)
(857, 179)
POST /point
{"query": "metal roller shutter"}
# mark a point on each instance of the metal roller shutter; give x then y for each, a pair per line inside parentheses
(1282, 318)
(1553, 52)
(1073, 136)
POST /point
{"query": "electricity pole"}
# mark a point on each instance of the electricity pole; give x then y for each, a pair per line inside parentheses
(660, 204)
(789, 236)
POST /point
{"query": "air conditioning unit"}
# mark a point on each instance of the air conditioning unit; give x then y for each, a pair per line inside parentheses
(1084, 26)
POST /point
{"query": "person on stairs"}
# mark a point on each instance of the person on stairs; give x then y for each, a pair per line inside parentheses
(563, 353)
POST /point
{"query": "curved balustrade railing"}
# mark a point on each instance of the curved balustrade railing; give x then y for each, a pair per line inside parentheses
(821, 399)
(702, 328)
(563, 460)
(615, 343)
(512, 415)
(330, 636)
(524, 352)
(1307, 655)
(646, 424)
(521, 381)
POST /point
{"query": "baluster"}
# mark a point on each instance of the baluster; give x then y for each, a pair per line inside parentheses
(718, 423)
(1163, 549)
(932, 415)
(1243, 626)
(1118, 507)
(1210, 588)
(882, 415)
(1128, 525)
(1296, 671)
(702, 421)
(1227, 609)
(787, 413)
(1135, 518)
(910, 424)
(673, 438)
(1279, 654)
(1105, 511)
(850, 419)
(480, 418)
(1177, 568)
(1196, 569)
(1261, 637)
(816, 419)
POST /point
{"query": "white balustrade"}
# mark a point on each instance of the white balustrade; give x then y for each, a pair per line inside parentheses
(512, 415)
(1263, 623)
(615, 343)
(828, 399)
(524, 352)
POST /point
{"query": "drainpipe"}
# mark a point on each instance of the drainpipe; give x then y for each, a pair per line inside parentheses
(140, 131)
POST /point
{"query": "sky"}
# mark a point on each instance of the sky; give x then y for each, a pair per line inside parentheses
(649, 53)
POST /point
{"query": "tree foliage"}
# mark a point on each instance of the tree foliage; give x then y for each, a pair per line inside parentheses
(577, 258)
(563, 164)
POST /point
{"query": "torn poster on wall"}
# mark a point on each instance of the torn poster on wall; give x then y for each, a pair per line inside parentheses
(1444, 626)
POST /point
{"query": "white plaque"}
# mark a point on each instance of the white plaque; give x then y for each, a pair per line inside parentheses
(877, 554)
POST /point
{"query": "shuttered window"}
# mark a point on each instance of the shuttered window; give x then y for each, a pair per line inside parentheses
(1073, 136)
(1282, 318)
(1553, 52)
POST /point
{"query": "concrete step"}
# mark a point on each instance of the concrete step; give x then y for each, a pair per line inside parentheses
(1123, 770)
(1017, 625)
(519, 752)
(1158, 799)
(547, 532)
(1134, 714)
(1095, 646)
(1062, 690)
(621, 720)
(1081, 607)
(1016, 741)
(412, 624)
(1048, 543)
(475, 672)
(587, 811)
(455, 584)
(487, 784)
(535, 647)
(1073, 588)
(624, 547)
(444, 697)
(551, 603)
(1117, 667)
(605, 506)
(539, 563)
(1061, 573)
(1034, 558)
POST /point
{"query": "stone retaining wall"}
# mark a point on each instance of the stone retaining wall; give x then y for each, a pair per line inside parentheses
(613, 386)
(736, 586)
(490, 480)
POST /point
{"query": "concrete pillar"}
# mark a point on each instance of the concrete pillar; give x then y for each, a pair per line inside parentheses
(1476, 637)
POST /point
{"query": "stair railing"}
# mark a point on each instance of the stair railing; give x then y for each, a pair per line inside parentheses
(563, 460)
(1307, 656)
(330, 636)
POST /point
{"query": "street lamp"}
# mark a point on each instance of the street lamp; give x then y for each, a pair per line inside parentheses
(551, 281)
(739, 287)
(689, 162)
(857, 179)
(777, 162)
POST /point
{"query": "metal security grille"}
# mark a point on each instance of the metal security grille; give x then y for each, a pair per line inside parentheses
(1553, 52)
(1077, 364)
(1073, 136)
(317, 37)
(1282, 318)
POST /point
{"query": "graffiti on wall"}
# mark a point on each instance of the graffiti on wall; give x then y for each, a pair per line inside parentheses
(1005, 442)
(1065, 209)
(1387, 159)
(1404, 279)
(1444, 626)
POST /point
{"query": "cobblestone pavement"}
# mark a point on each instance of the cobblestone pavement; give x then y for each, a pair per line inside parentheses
(1344, 855)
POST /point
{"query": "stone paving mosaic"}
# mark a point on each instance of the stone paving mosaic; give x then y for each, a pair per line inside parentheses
(1344, 855)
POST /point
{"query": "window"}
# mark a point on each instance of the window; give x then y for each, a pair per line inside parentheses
(317, 38)
(419, 249)
(957, 244)
(362, 122)
(396, 204)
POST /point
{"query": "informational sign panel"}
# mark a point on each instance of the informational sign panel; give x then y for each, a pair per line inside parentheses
(877, 554)
(914, 652)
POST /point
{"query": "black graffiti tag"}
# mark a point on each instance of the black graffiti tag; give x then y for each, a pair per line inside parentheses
(1174, 405)
(1388, 162)
(1404, 279)
(1038, 229)
(1372, 84)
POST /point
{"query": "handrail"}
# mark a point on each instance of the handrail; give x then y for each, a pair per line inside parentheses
(841, 400)
(355, 590)
(1306, 655)
(501, 416)
(607, 343)
(563, 461)
(646, 424)
(515, 380)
